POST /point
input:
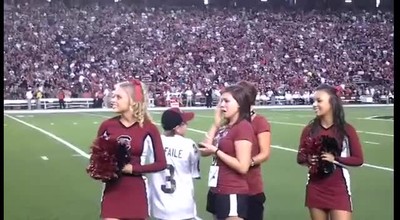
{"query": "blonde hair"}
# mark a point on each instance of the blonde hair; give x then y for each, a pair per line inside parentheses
(139, 109)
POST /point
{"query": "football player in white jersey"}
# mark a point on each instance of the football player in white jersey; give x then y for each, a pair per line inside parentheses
(171, 191)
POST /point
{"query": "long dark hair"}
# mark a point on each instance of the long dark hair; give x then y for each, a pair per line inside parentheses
(240, 94)
(339, 121)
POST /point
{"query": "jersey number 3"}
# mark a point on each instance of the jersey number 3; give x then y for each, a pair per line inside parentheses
(170, 184)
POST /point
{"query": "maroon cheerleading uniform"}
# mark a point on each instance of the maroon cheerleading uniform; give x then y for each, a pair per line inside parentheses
(333, 192)
(126, 197)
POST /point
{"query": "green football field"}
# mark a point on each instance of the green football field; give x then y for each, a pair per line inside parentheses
(45, 156)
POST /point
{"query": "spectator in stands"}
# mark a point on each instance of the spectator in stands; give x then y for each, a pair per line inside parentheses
(98, 100)
(280, 51)
(288, 97)
(29, 96)
(168, 98)
(209, 97)
(306, 96)
(189, 97)
(61, 97)
(39, 96)
(107, 97)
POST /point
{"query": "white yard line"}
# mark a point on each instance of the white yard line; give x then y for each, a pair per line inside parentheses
(370, 142)
(273, 146)
(375, 119)
(67, 144)
(302, 125)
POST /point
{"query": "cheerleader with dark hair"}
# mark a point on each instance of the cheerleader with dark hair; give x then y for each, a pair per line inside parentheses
(328, 146)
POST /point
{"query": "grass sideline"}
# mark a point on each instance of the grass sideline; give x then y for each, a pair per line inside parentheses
(58, 188)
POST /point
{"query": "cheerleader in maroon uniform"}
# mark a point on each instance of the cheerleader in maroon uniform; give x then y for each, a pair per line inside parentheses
(328, 194)
(125, 196)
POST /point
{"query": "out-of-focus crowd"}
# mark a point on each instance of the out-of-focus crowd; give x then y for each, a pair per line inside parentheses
(85, 51)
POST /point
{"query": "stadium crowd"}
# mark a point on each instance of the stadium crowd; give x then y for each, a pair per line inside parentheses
(86, 50)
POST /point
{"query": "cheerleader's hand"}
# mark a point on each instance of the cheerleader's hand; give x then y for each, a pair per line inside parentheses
(312, 159)
(128, 168)
(328, 157)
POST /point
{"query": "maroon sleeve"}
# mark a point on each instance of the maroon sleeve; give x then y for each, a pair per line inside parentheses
(260, 125)
(356, 157)
(244, 131)
(102, 128)
(160, 162)
(301, 155)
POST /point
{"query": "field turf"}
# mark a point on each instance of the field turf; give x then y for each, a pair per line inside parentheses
(45, 156)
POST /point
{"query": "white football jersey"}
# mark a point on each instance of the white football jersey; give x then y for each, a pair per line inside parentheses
(171, 191)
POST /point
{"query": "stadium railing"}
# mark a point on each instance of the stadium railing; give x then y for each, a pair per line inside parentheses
(49, 103)
(75, 110)
(52, 103)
